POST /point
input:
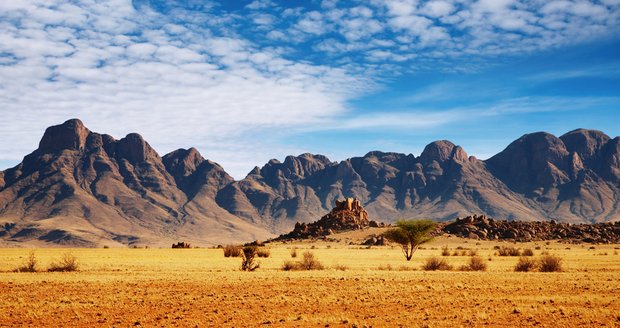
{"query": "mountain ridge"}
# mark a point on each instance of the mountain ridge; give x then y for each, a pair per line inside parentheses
(90, 189)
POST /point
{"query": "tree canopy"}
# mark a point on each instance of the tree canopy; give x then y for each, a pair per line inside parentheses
(410, 234)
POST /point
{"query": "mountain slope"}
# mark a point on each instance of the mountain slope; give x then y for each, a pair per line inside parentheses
(84, 188)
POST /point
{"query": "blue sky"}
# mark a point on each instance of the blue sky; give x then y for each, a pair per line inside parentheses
(246, 81)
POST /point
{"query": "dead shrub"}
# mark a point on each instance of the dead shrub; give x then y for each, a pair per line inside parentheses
(472, 252)
(433, 264)
(294, 252)
(289, 265)
(528, 252)
(341, 267)
(67, 263)
(232, 251)
(445, 251)
(263, 252)
(550, 263)
(30, 265)
(309, 262)
(248, 257)
(509, 251)
(476, 263)
(525, 264)
(387, 267)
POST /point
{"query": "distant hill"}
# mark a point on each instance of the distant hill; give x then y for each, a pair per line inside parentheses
(86, 189)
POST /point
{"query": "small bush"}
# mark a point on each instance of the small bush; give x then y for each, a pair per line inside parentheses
(341, 267)
(263, 252)
(309, 262)
(67, 263)
(294, 252)
(106, 246)
(248, 257)
(387, 267)
(476, 263)
(528, 252)
(289, 265)
(525, 264)
(30, 265)
(472, 252)
(550, 263)
(509, 251)
(537, 248)
(434, 263)
(445, 251)
(232, 251)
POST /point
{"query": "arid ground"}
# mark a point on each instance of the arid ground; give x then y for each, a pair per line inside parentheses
(359, 287)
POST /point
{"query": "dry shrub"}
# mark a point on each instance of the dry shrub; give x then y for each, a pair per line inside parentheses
(67, 263)
(525, 264)
(387, 267)
(289, 265)
(476, 263)
(445, 251)
(30, 265)
(341, 267)
(263, 252)
(309, 262)
(509, 251)
(472, 252)
(434, 263)
(248, 257)
(294, 252)
(232, 251)
(528, 252)
(550, 263)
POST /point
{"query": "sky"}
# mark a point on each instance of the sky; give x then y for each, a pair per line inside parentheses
(247, 81)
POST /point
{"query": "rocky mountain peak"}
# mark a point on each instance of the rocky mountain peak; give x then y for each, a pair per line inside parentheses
(135, 149)
(584, 142)
(182, 162)
(71, 135)
(440, 151)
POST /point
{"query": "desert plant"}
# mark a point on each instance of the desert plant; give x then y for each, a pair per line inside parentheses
(232, 251)
(472, 252)
(476, 263)
(263, 252)
(30, 265)
(294, 252)
(341, 267)
(410, 234)
(525, 264)
(550, 263)
(528, 252)
(509, 251)
(248, 257)
(433, 263)
(445, 251)
(67, 263)
(387, 267)
(309, 262)
(289, 265)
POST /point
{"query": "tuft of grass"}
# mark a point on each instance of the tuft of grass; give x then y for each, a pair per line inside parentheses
(476, 263)
(528, 252)
(248, 257)
(445, 251)
(433, 264)
(288, 265)
(509, 251)
(387, 267)
(263, 252)
(341, 267)
(472, 252)
(525, 264)
(550, 263)
(308, 262)
(294, 252)
(30, 265)
(67, 263)
(232, 251)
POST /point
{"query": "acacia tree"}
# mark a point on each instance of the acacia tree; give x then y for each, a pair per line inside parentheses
(410, 234)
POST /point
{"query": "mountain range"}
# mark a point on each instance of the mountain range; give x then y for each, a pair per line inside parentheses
(82, 188)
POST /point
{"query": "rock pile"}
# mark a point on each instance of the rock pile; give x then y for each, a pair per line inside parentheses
(481, 227)
(347, 215)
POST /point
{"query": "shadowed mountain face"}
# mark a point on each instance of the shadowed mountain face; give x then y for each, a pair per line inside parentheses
(85, 188)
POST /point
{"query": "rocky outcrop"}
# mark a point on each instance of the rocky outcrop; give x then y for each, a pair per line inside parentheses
(481, 227)
(348, 214)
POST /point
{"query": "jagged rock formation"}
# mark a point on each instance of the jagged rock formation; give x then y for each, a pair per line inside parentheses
(347, 215)
(481, 227)
(84, 188)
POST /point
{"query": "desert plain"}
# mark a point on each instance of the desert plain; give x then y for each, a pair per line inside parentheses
(359, 287)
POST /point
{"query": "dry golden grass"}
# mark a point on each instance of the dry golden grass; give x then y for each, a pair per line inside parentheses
(189, 287)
